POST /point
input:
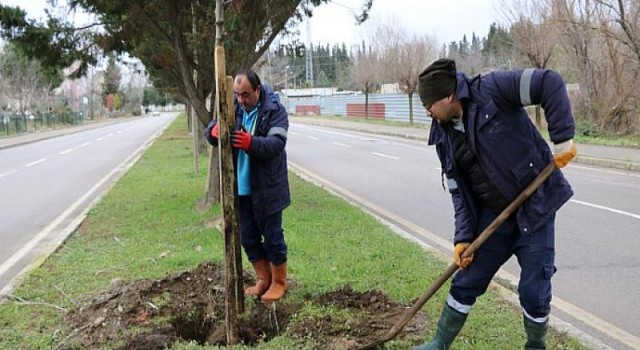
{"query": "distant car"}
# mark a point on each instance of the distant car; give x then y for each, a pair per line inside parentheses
(155, 113)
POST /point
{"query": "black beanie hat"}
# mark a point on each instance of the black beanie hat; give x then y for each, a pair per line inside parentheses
(437, 81)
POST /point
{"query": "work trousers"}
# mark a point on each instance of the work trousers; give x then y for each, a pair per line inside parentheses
(535, 253)
(263, 238)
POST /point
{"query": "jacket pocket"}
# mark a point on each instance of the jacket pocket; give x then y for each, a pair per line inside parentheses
(486, 115)
(525, 172)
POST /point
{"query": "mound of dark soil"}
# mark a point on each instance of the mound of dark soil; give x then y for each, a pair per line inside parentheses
(190, 306)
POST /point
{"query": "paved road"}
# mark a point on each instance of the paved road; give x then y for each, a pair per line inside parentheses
(623, 158)
(399, 180)
(47, 185)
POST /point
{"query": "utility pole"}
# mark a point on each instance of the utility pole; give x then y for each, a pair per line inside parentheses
(192, 111)
(91, 88)
(309, 54)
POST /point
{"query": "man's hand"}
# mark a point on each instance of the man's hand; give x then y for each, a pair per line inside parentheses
(564, 152)
(214, 132)
(241, 139)
(457, 255)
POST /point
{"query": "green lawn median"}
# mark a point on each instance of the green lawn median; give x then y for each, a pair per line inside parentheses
(349, 273)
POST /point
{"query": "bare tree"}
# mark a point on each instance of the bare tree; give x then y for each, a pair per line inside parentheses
(364, 73)
(414, 54)
(574, 18)
(22, 77)
(532, 34)
(604, 37)
(620, 24)
(393, 56)
(385, 37)
(625, 17)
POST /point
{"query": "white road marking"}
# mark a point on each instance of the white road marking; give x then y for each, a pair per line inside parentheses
(9, 173)
(100, 139)
(36, 162)
(384, 155)
(313, 137)
(597, 206)
(602, 207)
(85, 144)
(69, 150)
(339, 133)
(341, 144)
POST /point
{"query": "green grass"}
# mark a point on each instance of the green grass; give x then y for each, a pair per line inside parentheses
(147, 227)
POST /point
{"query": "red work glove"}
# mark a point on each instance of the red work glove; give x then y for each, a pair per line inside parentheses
(241, 139)
(457, 255)
(214, 132)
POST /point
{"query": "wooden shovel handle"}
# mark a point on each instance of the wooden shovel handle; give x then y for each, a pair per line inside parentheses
(472, 248)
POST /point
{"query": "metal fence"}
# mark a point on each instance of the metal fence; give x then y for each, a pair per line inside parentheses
(394, 107)
(18, 123)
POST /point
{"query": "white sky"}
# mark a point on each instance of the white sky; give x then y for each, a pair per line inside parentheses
(35, 9)
(446, 20)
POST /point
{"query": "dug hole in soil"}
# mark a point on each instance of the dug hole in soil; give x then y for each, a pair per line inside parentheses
(190, 306)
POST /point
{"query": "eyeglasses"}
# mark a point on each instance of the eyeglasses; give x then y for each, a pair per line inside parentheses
(429, 105)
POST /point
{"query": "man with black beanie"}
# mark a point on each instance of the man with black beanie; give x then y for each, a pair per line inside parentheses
(437, 81)
(490, 151)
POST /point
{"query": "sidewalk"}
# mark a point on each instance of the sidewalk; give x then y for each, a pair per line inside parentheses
(601, 156)
(16, 140)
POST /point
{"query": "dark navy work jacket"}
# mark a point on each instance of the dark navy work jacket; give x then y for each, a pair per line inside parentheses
(269, 177)
(509, 148)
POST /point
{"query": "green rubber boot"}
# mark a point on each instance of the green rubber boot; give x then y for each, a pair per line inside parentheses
(449, 325)
(536, 333)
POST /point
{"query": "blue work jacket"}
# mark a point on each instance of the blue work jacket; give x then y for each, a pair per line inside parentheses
(508, 146)
(268, 175)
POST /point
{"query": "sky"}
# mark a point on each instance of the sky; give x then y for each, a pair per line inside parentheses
(446, 20)
(35, 9)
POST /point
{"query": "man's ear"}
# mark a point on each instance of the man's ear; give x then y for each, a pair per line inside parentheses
(451, 98)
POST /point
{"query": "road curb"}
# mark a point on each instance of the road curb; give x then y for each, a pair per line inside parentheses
(607, 163)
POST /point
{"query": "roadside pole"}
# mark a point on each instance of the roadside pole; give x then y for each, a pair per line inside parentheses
(232, 249)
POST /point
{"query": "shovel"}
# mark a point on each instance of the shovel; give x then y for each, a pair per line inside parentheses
(472, 248)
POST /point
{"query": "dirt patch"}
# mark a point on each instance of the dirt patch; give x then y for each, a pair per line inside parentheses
(190, 306)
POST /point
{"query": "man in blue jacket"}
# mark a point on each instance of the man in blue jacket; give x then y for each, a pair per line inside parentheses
(258, 141)
(489, 152)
